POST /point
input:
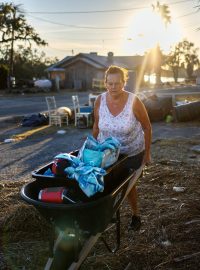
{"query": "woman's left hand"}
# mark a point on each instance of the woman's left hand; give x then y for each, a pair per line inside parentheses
(147, 159)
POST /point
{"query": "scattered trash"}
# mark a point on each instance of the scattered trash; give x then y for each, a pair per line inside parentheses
(193, 157)
(2, 185)
(174, 199)
(166, 243)
(181, 102)
(61, 131)
(188, 111)
(158, 107)
(35, 120)
(64, 110)
(182, 205)
(196, 148)
(43, 83)
(179, 189)
(193, 221)
(169, 118)
(9, 140)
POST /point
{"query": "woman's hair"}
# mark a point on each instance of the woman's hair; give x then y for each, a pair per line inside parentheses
(117, 70)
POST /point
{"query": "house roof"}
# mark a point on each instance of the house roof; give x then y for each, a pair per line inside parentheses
(99, 61)
(56, 65)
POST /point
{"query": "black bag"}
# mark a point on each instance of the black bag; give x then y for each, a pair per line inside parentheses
(35, 120)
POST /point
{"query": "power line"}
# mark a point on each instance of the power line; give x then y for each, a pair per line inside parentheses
(86, 12)
(190, 26)
(97, 28)
(178, 2)
(104, 28)
(185, 15)
(63, 50)
(100, 11)
(78, 27)
(93, 39)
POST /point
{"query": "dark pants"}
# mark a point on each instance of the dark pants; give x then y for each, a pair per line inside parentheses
(134, 162)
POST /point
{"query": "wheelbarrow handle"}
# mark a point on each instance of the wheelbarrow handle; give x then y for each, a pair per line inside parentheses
(135, 176)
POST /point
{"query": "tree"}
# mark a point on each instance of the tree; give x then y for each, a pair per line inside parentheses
(30, 63)
(164, 12)
(14, 27)
(4, 53)
(3, 76)
(183, 55)
(190, 57)
(175, 61)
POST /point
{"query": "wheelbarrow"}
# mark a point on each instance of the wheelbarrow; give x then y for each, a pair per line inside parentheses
(80, 221)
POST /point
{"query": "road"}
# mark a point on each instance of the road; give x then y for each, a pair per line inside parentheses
(18, 104)
(14, 105)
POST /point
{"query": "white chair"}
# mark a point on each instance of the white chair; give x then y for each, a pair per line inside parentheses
(92, 98)
(81, 111)
(55, 116)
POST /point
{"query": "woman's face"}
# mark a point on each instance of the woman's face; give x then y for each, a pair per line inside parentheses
(114, 83)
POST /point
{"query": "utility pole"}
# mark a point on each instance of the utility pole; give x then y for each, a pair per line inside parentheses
(11, 71)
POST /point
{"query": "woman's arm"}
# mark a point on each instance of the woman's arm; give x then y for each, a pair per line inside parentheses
(142, 116)
(95, 130)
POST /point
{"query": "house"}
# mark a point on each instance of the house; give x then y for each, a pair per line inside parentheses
(79, 71)
(196, 74)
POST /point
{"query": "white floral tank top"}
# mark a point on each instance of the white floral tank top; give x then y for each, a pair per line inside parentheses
(124, 126)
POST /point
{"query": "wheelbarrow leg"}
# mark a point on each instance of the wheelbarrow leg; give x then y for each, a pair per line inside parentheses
(89, 243)
(118, 236)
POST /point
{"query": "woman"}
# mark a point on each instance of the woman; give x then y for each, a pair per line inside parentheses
(121, 114)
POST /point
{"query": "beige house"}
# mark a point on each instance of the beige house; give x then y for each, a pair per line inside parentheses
(80, 71)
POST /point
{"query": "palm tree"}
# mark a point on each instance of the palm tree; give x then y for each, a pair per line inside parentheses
(163, 11)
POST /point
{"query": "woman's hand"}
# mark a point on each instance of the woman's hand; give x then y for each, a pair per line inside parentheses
(147, 159)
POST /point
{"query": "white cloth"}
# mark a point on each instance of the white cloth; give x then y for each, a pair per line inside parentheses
(124, 126)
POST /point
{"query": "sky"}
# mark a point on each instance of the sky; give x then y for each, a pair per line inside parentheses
(127, 27)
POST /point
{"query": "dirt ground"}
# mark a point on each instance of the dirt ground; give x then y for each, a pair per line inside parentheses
(170, 234)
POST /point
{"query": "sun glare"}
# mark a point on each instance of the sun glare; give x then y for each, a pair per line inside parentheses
(146, 29)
